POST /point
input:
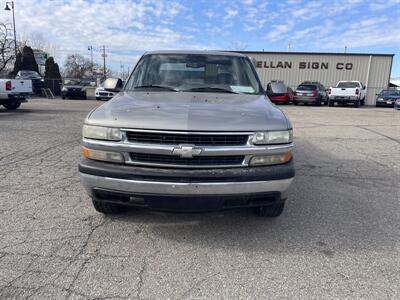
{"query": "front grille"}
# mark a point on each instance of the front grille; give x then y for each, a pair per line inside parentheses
(183, 161)
(192, 139)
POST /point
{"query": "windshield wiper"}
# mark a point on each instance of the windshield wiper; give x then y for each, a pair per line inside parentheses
(152, 86)
(210, 89)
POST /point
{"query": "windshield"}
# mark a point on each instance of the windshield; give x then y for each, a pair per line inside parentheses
(192, 72)
(390, 93)
(348, 85)
(31, 74)
(307, 87)
(72, 82)
(277, 87)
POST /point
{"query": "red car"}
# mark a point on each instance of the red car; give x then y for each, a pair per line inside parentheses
(278, 92)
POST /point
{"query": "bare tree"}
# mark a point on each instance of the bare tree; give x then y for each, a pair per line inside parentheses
(38, 42)
(238, 46)
(6, 47)
(77, 66)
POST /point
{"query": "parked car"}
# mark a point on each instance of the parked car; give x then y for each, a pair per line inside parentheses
(37, 80)
(14, 91)
(347, 92)
(190, 131)
(73, 88)
(397, 104)
(310, 92)
(387, 97)
(102, 94)
(278, 92)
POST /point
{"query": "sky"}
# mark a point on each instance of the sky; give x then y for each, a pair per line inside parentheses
(128, 28)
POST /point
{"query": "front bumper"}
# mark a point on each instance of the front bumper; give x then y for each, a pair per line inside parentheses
(73, 94)
(389, 103)
(187, 190)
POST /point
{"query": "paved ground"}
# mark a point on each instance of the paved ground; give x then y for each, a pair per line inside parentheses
(338, 238)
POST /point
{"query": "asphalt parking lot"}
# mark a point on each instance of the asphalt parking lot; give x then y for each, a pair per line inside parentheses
(338, 237)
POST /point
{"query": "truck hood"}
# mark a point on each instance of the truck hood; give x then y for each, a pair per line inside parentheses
(183, 111)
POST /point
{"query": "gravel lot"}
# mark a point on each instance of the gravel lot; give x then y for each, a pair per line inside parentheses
(338, 237)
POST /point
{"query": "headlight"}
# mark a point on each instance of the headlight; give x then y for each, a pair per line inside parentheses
(379, 99)
(269, 160)
(101, 133)
(103, 155)
(272, 137)
(398, 101)
(64, 89)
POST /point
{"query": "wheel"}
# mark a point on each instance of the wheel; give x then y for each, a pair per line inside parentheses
(318, 102)
(13, 105)
(98, 98)
(331, 103)
(362, 102)
(63, 97)
(295, 103)
(357, 103)
(270, 211)
(108, 208)
(84, 97)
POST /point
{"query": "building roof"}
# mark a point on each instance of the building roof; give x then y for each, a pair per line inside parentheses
(317, 53)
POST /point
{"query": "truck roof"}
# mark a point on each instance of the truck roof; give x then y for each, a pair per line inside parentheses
(197, 52)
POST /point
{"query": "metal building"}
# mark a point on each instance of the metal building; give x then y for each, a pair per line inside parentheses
(373, 70)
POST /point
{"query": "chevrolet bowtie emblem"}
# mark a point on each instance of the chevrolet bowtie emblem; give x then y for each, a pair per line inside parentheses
(186, 151)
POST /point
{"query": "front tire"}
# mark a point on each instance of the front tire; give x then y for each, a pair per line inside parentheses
(270, 211)
(108, 208)
(295, 103)
(363, 102)
(13, 105)
(357, 104)
(331, 103)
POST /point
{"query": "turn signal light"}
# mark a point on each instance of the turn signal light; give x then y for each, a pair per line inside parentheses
(103, 155)
(269, 160)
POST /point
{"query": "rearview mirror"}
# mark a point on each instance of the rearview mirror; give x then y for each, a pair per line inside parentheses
(112, 84)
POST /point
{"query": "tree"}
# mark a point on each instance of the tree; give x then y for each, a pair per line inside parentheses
(52, 76)
(25, 61)
(39, 42)
(6, 48)
(77, 66)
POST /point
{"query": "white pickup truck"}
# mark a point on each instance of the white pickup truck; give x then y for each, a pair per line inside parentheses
(347, 92)
(14, 91)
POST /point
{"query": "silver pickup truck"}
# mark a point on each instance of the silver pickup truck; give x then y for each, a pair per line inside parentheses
(190, 131)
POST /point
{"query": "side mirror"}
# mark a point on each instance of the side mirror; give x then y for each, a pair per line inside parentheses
(113, 84)
(364, 87)
(268, 93)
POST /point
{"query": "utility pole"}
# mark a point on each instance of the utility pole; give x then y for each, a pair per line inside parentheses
(15, 32)
(289, 46)
(104, 61)
(345, 49)
(90, 48)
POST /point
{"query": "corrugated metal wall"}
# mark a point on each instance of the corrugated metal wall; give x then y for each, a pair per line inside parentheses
(294, 68)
